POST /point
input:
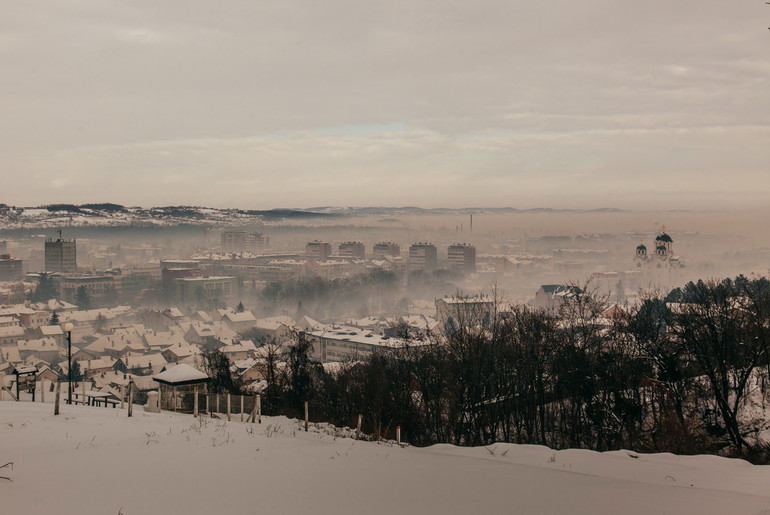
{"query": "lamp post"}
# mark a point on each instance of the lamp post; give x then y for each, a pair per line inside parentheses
(68, 327)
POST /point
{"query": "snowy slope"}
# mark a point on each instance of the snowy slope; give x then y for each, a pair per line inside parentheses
(96, 460)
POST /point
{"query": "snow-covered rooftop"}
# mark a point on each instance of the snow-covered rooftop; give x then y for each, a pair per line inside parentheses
(181, 375)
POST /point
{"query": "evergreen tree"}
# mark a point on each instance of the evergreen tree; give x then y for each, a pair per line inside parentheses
(54, 319)
(239, 308)
(45, 290)
(82, 298)
(100, 323)
(77, 374)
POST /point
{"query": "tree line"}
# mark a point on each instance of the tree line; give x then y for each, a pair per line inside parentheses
(689, 376)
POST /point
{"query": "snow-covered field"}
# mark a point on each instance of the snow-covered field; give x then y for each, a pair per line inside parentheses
(95, 460)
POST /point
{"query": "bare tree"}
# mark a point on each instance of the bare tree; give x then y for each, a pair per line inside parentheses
(716, 330)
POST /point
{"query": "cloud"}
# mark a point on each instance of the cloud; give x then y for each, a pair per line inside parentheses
(416, 165)
(432, 102)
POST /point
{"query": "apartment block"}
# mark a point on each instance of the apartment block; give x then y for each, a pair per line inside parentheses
(422, 256)
(462, 258)
(318, 250)
(244, 241)
(388, 248)
(352, 249)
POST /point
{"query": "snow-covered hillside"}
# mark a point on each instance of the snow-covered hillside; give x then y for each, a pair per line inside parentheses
(96, 460)
(114, 215)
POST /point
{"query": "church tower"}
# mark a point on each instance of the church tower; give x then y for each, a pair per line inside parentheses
(641, 255)
(661, 267)
(664, 244)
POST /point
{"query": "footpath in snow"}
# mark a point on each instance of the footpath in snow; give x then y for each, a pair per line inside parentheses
(91, 460)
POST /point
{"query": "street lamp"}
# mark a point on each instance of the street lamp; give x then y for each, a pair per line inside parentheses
(68, 327)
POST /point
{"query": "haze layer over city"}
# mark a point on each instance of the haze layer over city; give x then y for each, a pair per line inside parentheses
(403, 257)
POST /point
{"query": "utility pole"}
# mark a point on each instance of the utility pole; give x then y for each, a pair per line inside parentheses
(68, 327)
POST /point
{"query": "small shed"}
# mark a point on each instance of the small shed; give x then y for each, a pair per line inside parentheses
(183, 384)
(25, 379)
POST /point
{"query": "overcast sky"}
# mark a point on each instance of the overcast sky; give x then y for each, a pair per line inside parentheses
(247, 103)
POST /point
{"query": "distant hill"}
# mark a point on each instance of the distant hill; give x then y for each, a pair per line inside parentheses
(115, 215)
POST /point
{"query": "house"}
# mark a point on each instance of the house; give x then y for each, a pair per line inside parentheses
(200, 333)
(51, 331)
(10, 336)
(27, 316)
(117, 345)
(240, 322)
(180, 351)
(84, 355)
(175, 313)
(275, 328)
(157, 341)
(550, 297)
(111, 378)
(6, 321)
(52, 305)
(140, 364)
(239, 350)
(306, 323)
(46, 349)
(91, 321)
(9, 355)
(254, 370)
(252, 374)
(202, 316)
(464, 310)
(350, 343)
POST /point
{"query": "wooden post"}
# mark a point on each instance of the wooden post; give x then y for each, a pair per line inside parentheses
(241, 408)
(358, 427)
(398, 435)
(122, 404)
(195, 405)
(82, 393)
(9, 392)
(42, 390)
(255, 412)
(228, 406)
(56, 399)
(173, 397)
(130, 397)
(306, 413)
(216, 399)
(208, 395)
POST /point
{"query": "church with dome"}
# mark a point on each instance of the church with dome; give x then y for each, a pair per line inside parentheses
(661, 266)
